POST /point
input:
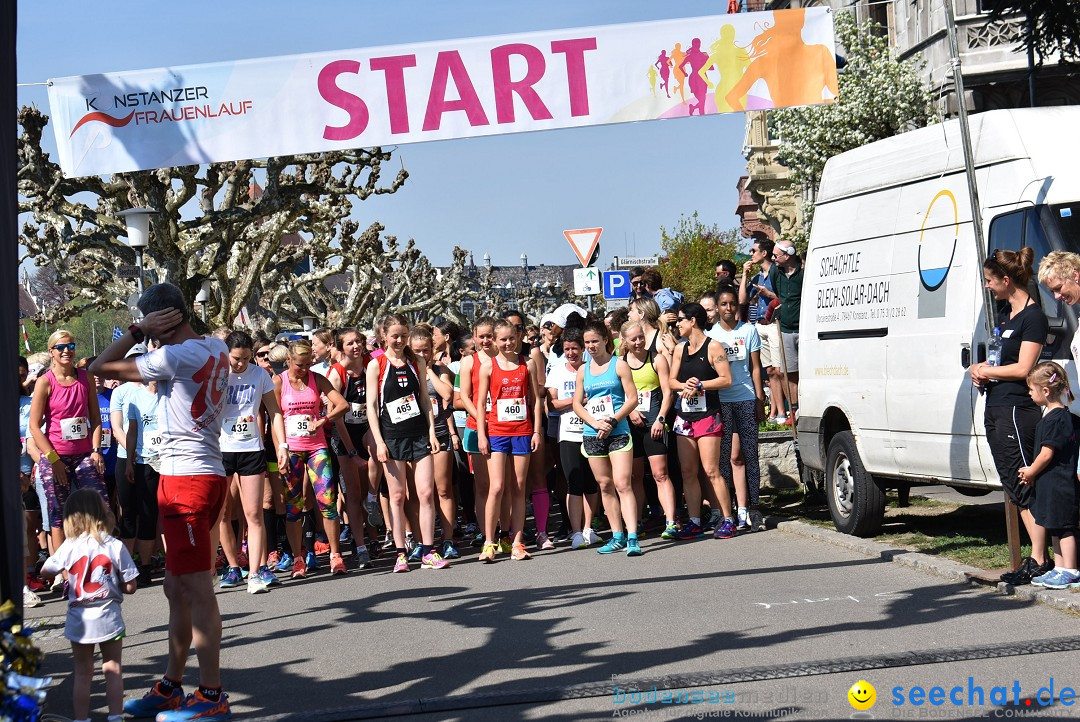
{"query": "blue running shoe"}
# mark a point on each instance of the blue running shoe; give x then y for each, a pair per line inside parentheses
(670, 531)
(449, 551)
(153, 702)
(726, 530)
(632, 548)
(196, 706)
(312, 562)
(617, 544)
(416, 554)
(690, 530)
(268, 577)
(346, 534)
(285, 564)
(1057, 578)
(231, 578)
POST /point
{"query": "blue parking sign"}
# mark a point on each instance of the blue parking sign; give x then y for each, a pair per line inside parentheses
(616, 285)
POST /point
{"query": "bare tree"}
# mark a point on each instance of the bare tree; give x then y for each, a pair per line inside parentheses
(46, 288)
(211, 226)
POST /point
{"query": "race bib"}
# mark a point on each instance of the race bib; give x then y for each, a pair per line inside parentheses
(644, 401)
(239, 428)
(75, 428)
(152, 443)
(357, 414)
(602, 407)
(736, 350)
(106, 438)
(403, 409)
(298, 426)
(570, 424)
(512, 410)
(487, 407)
(435, 405)
(693, 404)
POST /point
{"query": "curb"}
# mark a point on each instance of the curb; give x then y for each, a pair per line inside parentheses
(1063, 599)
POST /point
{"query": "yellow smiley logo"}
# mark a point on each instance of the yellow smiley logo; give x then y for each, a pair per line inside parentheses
(862, 695)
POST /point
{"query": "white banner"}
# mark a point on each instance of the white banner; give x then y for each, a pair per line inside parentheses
(196, 114)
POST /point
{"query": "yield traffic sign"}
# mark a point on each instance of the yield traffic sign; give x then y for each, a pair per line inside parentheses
(584, 242)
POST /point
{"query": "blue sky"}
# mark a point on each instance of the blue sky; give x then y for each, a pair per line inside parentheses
(501, 195)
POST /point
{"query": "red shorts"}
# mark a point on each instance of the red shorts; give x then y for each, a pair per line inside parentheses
(188, 507)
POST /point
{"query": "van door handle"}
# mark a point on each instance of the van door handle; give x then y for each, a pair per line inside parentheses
(965, 356)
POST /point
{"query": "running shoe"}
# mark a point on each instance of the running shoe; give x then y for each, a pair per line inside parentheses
(577, 541)
(272, 559)
(616, 544)
(321, 548)
(489, 552)
(153, 702)
(591, 537)
(543, 541)
(563, 535)
(714, 520)
(388, 543)
(337, 564)
(410, 542)
(375, 517)
(346, 534)
(312, 562)
(375, 549)
(196, 706)
(757, 522)
(402, 564)
(518, 553)
(1027, 570)
(267, 576)
(363, 559)
(470, 530)
(671, 531)
(744, 521)
(449, 551)
(299, 568)
(145, 578)
(505, 546)
(780, 420)
(632, 548)
(33, 583)
(477, 539)
(285, 564)
(257, 585)
(690, 530)
(432, 560)
(1057, 578)
(29, 598)
(231, 578)
(726, 530)
(417, 553)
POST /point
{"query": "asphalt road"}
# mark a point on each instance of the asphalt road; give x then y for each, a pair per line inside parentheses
(767, 623)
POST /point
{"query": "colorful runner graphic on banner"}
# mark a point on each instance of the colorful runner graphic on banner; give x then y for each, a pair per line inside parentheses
(195, 114)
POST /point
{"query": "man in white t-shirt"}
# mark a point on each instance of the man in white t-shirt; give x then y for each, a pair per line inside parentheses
(192, 374)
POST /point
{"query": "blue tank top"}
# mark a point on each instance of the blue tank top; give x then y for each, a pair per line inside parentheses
(606, 384)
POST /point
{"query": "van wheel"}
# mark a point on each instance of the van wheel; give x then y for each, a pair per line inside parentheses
(856, 502)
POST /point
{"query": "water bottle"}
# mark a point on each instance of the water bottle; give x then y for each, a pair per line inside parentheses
(993, 349)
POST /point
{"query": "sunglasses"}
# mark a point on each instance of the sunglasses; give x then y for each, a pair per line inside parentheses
(262, 354)
(62, 347)
(637, 283)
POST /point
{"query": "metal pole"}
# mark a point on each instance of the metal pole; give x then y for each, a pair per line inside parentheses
(93, 334)
(139, 266)
(1031, 62)
(969, 161)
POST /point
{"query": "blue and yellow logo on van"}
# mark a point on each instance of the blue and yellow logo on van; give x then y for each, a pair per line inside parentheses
(936, 249)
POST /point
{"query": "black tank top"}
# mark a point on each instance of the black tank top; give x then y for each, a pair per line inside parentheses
(400, 415)
(697, 364)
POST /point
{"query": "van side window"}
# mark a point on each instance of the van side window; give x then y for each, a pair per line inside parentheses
(1036, 227)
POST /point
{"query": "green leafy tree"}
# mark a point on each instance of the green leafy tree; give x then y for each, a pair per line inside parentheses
(1053, 25)
(880, 96)
(691, 250)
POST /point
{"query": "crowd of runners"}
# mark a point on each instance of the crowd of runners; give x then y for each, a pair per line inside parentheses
(398, 447)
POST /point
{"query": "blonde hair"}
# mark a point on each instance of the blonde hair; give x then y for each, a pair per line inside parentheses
(1051, 376)
(623, 331)
(277, 354)
(1058, 264)
(650, 311)
(299, 347)
(58, 334)
(85, 513)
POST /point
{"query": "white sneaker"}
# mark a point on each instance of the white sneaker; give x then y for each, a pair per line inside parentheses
(543, 541)
(744, 520)
(578, 541)
(781, 420)
(29, 599)
(591, 537)
(256, 585)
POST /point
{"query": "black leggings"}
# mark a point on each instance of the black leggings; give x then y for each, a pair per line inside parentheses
(579, 477)
(138, 502)
(740, 417)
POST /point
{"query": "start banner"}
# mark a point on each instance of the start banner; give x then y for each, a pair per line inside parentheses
(116, 122)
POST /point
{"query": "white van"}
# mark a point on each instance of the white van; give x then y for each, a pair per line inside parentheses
(892, 307)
